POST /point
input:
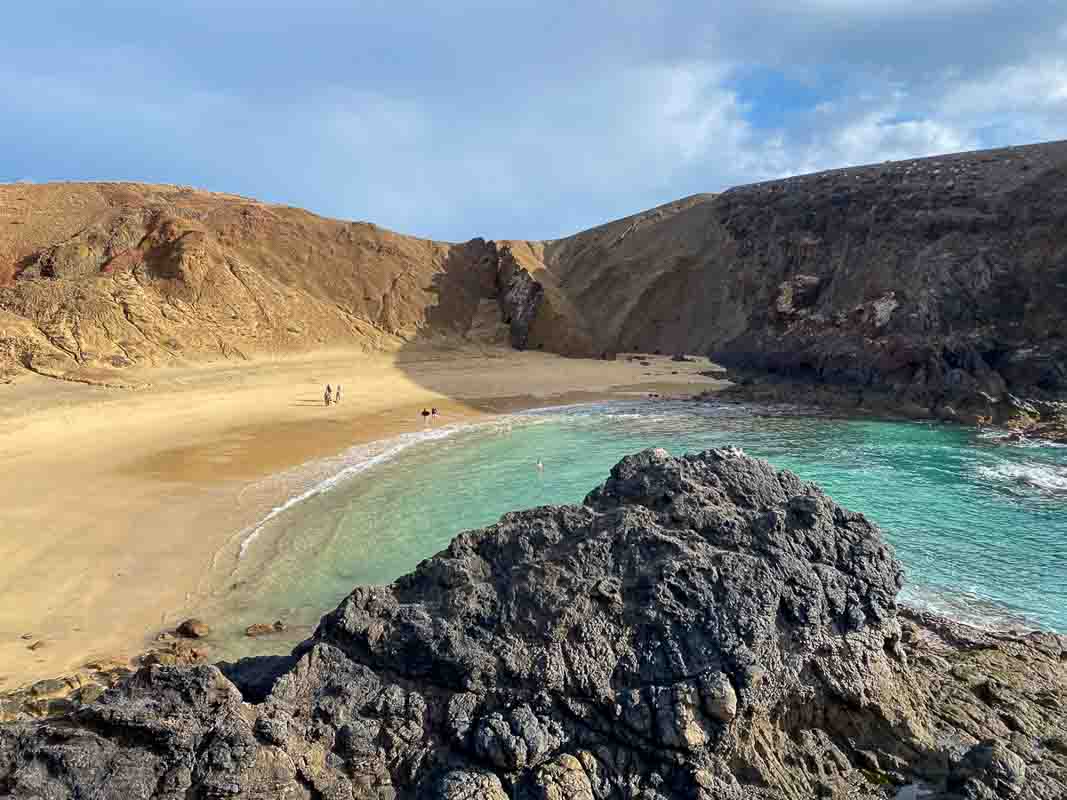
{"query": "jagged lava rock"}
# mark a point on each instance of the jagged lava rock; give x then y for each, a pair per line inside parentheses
(701, 627)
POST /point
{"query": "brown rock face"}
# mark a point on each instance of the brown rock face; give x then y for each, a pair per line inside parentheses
(933, 280)
(941, 282)
(98, 277)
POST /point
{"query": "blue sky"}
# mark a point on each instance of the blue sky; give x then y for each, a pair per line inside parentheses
(513, 119)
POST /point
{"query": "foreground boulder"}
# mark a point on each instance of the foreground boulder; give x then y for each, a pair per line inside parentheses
(701, 627)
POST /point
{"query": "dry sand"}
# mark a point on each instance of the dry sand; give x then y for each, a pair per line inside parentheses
(114, 500)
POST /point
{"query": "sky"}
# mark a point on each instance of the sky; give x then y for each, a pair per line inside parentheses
(529, 120)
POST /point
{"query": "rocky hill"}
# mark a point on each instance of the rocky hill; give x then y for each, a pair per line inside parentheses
(936, 281)
(939, 281)
(701, 627)
(95, 278)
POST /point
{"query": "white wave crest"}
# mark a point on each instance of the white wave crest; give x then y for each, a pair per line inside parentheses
(357, 460)
(1043, 477)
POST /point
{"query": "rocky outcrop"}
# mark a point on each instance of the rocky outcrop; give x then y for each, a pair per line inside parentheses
(100, 277)
(520, 299)
(96, 278)
(701, 627)
(538, 314)
(938, 283)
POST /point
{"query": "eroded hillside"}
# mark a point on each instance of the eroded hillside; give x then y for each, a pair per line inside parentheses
(934, 278)
(98, 277)
(940, 280)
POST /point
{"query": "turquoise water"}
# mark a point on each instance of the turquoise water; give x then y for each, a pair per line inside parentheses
(980, 524)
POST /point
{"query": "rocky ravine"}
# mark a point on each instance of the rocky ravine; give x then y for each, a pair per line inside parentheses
(701, 627)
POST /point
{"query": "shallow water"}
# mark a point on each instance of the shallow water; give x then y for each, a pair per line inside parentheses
(980, 524)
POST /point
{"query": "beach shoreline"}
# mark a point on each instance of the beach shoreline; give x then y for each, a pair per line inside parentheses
(116, 501)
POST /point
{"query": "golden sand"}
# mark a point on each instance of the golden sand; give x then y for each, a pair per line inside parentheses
(114, 501)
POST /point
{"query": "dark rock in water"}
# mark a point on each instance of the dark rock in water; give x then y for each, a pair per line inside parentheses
(263, 629)
(193, 629)
(701, 627)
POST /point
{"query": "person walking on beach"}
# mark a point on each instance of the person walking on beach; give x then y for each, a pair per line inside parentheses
(327, 396)
(426, 416)
(337, 395)
(433, 413)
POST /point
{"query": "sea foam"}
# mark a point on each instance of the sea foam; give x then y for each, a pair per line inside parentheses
(354, 461)
(1046, 478)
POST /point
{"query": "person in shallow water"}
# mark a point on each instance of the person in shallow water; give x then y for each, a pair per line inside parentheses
(327, 396)
(337, 395)
(426, 416)
(540, 465)
(434, 414)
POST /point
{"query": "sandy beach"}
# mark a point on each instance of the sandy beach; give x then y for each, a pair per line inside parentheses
(115, 500)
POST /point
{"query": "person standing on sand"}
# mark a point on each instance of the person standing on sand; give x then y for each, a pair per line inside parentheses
(337, 395)
(426, 416)
(433, 413)
(327, 396)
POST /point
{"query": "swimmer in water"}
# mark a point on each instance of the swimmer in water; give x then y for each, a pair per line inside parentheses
(540, 465)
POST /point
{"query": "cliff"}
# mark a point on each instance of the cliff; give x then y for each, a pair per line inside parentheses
(95, 278)
(936, 281)
(940, 282)
(700, 627)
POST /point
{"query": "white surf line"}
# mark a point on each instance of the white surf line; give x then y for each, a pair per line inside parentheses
(400, 444)
(533, 412)
(1048, 478)
(393, 447)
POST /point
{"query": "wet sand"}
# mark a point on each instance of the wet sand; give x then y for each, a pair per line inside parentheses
(114, 501)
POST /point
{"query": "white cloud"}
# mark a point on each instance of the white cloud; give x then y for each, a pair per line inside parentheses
(888, 8)
(539, 142)
(1039, 86)
(878, 136)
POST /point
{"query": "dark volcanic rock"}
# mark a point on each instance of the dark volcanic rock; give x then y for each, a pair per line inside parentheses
(520, 297)
(701, 627)
(937, 281)
(193, 629)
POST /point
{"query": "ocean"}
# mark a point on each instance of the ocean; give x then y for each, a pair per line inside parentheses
(979, 522)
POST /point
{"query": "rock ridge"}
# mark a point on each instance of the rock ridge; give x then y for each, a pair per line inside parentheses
(938, 284)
